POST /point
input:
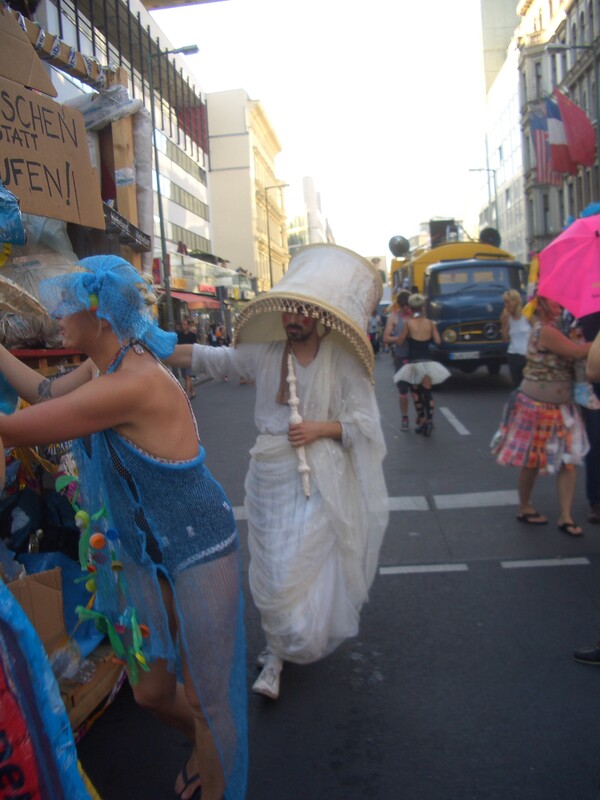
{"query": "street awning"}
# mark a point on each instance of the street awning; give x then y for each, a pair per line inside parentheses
(196, 300)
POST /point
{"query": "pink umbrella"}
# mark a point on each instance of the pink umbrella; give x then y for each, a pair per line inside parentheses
(570, 267)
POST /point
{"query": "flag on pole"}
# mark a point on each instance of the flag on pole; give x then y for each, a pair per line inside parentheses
(559, 149)
(580, 133)
(543, 163)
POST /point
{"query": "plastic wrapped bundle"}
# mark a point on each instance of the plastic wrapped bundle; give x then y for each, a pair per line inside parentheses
(28, 331)
(43, 757)
(24, 322)
(47, 253)
(108, 105)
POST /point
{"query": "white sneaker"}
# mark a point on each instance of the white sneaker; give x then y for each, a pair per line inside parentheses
(261, 658)
(268, 681)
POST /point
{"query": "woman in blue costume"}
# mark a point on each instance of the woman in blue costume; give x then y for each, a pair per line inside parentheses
(165, 557)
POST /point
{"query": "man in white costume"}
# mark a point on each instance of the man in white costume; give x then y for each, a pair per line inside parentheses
(312, 558)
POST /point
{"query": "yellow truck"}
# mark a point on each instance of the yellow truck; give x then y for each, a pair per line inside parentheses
(463, 283)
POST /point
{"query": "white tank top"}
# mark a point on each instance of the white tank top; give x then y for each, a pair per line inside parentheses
(518, 335)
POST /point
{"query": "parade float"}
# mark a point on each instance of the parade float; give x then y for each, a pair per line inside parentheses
(53, 212)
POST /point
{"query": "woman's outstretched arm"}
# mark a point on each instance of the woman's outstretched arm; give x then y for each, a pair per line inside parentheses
(109, 402)
(32, 386)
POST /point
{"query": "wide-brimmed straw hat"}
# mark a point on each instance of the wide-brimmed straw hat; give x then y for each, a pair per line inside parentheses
(331, 284)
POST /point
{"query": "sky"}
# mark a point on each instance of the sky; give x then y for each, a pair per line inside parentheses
(381, 102)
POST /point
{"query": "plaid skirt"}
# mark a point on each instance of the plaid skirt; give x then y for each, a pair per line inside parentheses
(540, 435)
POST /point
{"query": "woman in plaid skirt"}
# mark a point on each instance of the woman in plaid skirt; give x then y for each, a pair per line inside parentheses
(541, 429)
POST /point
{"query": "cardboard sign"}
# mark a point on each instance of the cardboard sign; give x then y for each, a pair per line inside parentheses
(45, 159)
(18, 60)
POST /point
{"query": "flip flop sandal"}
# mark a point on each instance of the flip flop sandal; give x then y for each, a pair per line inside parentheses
(187, 782)
(569, 528)
(532, 518)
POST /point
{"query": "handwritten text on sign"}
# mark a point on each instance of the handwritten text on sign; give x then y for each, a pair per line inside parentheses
(44, 157)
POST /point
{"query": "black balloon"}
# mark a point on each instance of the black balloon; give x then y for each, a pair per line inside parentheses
(490, 236)
(399, 246)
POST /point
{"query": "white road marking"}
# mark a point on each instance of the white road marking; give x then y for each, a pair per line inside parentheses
(508, 497)
(576, 561)
(442, 502)
(408, 504)
(420, 568)
(454, 421)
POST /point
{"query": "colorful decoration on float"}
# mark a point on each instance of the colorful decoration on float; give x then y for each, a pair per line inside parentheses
(100, 561)
(5, 253)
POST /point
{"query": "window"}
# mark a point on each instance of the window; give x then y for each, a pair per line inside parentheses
(553, 69)
(191, 240)
(561, 206)
(472, 279)
(546, 226)
(539, 84)
(188, 164)
(570, 200)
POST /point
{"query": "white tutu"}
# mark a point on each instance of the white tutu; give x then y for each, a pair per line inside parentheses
(415, 371)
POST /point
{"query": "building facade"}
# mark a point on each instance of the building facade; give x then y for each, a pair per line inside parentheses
(501, 184)
(247, 198)
(125, 34)
(307, 224)
(504, 182)
(157, 82)
(559, 44)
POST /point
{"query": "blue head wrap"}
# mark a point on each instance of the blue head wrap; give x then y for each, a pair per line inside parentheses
(117, 292)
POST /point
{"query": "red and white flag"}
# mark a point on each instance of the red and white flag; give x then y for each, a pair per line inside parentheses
(560, 155)
(579, 131)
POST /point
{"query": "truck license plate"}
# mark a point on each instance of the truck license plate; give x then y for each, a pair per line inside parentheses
(471, 354)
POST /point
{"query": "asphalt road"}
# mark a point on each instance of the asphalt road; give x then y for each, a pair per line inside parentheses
(461, 682)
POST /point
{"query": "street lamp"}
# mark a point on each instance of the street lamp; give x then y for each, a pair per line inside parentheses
(275, 186)
(557, 46)
(189, 49)
(491, 172)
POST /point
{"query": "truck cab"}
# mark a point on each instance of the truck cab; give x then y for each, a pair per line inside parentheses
(464, 297)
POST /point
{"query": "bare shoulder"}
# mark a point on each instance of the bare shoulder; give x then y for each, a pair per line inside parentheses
(140, 379)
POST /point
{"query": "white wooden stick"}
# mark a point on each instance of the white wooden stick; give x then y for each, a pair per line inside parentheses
(295, 417)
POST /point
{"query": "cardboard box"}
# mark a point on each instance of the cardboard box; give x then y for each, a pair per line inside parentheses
(82, 699)
(40, 597)
(18, 60)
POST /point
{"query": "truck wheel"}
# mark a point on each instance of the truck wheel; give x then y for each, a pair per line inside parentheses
(494, 367)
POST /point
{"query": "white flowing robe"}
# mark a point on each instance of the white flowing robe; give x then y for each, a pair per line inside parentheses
(312, 561)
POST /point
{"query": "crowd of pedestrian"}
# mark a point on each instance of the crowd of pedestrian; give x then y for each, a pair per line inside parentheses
(316, 499)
